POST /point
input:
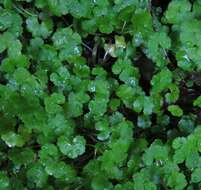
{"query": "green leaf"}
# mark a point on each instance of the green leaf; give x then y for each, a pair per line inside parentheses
(90, 93)
(114, 104)
(48, 153)
(37, 175)
(193, 161)
(184, 147)
(4, 182)
(196, 175)
(68, 42)
(144, 103)
(138, 104)
(175, 110)
(157, 45)
(178, 142)
(190, 45)
(173, 95)
(60, 170)
(52, 103)
(177, 181)
(81, 68)
(178, 11)
(75, 103)
(23, 156)
(84, 7)
(11, 22)
(72, 147)
(184, 60)
(14, 49)
(43, 29)
(197, 102)
(59, 7)
(104, 131)
(142, 25)
(98, 107)
(26, 82)
(161, 81)
(47, 55)
(187, 123)
(125, 92)
(56, 7)
(60, 78)
(142, 180)
(100, 182)
(156, 153)
(12, 139)
(10, 64)
(58, 125)
(6, 39)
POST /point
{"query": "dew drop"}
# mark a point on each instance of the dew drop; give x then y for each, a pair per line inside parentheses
(132, 82)
(93, 88)
(186, 57)
(76, 50)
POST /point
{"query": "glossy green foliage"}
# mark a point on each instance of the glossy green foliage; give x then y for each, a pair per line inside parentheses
(100, 95)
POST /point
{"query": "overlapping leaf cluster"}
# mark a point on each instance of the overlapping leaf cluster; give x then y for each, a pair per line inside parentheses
(100, 95)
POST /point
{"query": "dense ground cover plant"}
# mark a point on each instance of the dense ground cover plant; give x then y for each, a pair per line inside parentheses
(100, 94)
